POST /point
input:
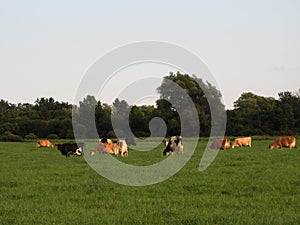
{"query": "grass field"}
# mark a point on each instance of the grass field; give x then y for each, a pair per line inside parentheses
(242, 186)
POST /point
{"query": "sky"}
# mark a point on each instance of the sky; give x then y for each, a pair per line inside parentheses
(47, 47)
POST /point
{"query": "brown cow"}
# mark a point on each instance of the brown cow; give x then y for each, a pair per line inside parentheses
(44, 143)
(220, 143)
(100, 149)
(110, 146)
(239, 142)
(107, 146)
(284, 142)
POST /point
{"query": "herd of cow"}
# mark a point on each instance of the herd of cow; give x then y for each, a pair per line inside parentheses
(224, 143)
(66, 149)
(107, 146)
(173, 145)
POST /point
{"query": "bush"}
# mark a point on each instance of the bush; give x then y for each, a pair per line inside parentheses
(141, 134)
(8, 136)
(52, 136)
(31, 136)
(70, 135)
(111, 134)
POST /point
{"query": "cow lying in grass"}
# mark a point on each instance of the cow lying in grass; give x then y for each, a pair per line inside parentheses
(110, 147)
(44, 143)
(220, 143)
(240, 142)
(68, 149)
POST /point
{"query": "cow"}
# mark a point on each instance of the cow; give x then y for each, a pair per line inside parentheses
(173, 145)
(239, 142)
(122, 147)
(220, 143)
(44, 143)
(110, 147)
(68, 149)
(100, 148)
(280, 142)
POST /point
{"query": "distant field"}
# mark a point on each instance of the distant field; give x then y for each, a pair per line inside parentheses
(242, 186)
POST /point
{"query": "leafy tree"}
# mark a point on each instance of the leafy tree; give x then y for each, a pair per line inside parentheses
(139, 119)
(84, 117)
(120, 118)
(253, 114)
(103, 119)
(250, 115)
(199, 93)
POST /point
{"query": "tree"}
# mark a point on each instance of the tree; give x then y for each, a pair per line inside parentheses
(251, 115)
(139, 119)
(120, 118)
(199, 92)
(84, 116)
(290, 107)
(103, 119)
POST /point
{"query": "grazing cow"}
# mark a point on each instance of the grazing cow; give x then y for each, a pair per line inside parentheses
(284, 142)
(239, 142)
(220, 143)
(44, 143)
(68, 149)
(173, 145)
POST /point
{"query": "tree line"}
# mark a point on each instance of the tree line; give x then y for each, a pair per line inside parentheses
(252, 114)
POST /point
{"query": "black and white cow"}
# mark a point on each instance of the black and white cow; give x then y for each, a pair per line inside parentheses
(173, 145)
(68, 149)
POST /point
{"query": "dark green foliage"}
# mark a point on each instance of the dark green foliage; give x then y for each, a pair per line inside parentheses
(200, 93)
(8, 136)
(258, 115)
(52, 136)
(252, 114)
(30, 136)
(45, 117)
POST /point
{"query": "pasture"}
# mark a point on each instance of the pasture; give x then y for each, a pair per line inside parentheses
(242, 186)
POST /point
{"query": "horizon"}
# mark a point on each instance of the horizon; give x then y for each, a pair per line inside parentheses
(150, 104)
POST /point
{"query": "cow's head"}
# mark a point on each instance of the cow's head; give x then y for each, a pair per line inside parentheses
(166, 141)
(78, 152)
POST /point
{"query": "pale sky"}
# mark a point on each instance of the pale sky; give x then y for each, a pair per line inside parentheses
(46, 47)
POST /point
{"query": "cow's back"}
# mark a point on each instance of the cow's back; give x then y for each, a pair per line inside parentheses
(283, 142)
(44, 143)
(243, 141)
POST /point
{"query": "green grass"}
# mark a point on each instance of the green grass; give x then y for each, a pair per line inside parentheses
(242, 186)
